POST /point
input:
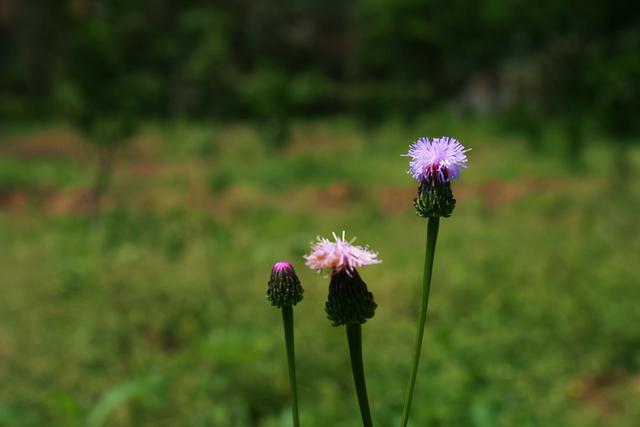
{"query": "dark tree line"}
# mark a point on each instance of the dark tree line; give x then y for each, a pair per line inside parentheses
(106, 63)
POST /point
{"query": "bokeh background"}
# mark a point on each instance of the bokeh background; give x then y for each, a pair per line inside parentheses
(156, 157)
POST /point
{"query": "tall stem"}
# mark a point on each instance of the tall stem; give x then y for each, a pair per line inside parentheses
(287, 319)
(432, 235)
(354, 336)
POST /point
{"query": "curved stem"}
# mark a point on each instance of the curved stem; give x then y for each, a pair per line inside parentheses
(354, 336)
(287, 319)
(432, 235)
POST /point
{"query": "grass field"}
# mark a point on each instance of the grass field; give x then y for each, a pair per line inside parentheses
(154, 312)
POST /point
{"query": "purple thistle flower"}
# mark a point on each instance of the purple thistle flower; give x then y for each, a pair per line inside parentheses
(437, 161)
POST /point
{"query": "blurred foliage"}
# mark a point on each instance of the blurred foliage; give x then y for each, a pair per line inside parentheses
(155, 312)
(104, 64)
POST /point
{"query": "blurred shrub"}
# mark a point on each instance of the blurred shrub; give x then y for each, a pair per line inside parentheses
(220, 181)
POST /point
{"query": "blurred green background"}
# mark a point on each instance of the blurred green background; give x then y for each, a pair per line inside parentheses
(157, 157)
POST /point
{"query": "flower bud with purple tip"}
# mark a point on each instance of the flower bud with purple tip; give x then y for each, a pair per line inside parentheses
(284, 292)
(284, 286)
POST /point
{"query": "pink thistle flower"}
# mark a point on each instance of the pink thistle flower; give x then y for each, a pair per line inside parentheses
(437, 161)
(339, 255)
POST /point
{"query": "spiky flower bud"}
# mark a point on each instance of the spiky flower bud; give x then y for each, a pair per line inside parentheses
(349, 300)
(284, 287)
(434, 200)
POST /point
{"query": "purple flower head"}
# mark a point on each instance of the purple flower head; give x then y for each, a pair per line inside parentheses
(437, 161)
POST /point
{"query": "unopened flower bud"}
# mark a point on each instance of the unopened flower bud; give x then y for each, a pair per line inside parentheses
(284, 287)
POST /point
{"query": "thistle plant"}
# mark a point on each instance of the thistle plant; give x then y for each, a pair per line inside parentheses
(284, 292)
(434, 164)
(349, 302)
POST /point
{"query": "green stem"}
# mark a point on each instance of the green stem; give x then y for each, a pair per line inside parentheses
(354, 336)
(287, 319)
(432, 235)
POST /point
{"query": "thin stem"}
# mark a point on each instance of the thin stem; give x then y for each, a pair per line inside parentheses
(432, 235)
(354, 336)
(287, 319)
